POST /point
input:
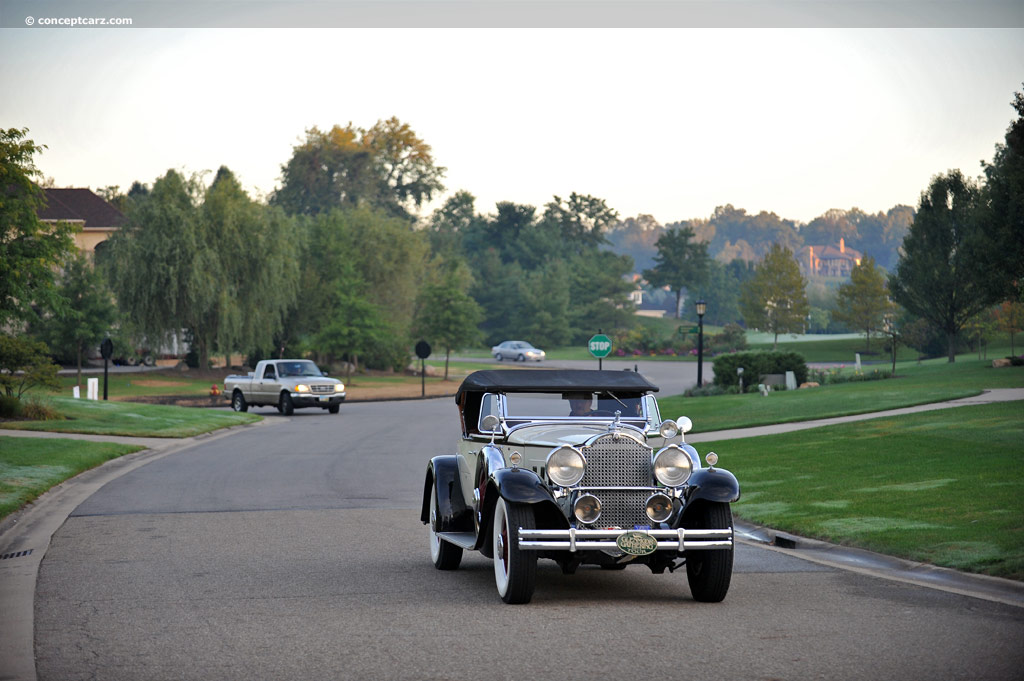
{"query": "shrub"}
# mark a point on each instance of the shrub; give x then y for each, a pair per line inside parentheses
(34, 410)
(10, 407)
(756, 364)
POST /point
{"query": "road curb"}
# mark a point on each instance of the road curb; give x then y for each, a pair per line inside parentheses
(997, 589)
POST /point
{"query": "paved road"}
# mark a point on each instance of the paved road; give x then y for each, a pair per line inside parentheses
(293, 550)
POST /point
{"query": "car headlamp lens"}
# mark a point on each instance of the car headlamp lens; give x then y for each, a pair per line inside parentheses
(565, 466)
(587, 509)
(302, 388)
(659, 507)
(672, 466)
(339, 387)
(668, 429)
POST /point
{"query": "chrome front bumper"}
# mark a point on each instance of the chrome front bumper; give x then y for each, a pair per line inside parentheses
(604, 540)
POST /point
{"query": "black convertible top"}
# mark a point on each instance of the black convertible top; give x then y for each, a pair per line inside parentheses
(554, 381)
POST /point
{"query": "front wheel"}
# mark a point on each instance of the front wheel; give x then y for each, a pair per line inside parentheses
(515, 570)
(521, 358)
(285, 405)
(498, 357)
(333, 409)
(238, 402)
(446, 556)
(708, 572)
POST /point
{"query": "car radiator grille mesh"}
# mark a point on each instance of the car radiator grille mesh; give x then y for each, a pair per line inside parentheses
(322, 388)
(619, 461)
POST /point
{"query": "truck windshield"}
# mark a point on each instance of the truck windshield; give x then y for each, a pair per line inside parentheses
(304, 368)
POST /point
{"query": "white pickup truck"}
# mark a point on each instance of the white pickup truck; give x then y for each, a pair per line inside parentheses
(287, 384)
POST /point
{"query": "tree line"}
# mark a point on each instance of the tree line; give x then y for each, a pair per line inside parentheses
(337, 264)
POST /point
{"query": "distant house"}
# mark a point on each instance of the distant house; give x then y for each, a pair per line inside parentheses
(97, 218)
(829, 261)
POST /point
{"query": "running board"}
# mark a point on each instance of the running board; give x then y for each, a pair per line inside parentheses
(466, 540)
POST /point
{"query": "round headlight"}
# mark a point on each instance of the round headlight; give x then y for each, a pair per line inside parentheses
(587, 509)
(659, 507)
(339, 387)
(668, 429)
(672, 466)
(566, 466)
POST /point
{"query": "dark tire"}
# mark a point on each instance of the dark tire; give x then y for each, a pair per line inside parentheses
(334, 409)
(285, 405)
(709, 572)
(498, 357)
(521, 358)
(515, 571)
(446, 556)
(238, 402)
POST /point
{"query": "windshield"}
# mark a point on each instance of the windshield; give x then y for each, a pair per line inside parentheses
(303, 368)
(573, 405)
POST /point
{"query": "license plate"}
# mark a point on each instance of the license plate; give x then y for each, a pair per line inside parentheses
(325, 399)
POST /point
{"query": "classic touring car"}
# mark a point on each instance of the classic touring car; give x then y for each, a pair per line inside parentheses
(577, 467)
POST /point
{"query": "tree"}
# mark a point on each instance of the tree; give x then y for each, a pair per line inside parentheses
(88, 316)
(942, 275)
(1010, 320)
(446, 314)
(354, 325)
(387, 167)
(450, 223)
(155, 263)
(681, 263)
(581, 221)
(864, 301)
(24, 364)
(775, 299)
(1004, 212)
(30, 250)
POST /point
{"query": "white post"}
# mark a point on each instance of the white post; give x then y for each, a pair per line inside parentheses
(94, 388)
(75, 392)
(858, 362)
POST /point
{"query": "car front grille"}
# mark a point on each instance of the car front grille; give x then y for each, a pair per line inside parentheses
(617, 460)
(322, 388)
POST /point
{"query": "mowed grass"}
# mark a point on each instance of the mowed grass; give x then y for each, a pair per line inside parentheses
(131, 419)
(139, 384)
(30, 466)
(943, 487)
(931, 381)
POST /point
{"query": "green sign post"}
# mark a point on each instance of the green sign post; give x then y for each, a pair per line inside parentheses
(600, 346)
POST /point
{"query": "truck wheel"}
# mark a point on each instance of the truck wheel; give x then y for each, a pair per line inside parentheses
(445, 556)
(333, 409)
(238, 402)
(709, 572)
(515, 571)
(285, 405)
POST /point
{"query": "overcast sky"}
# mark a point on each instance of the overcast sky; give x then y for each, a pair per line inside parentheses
(669, 122)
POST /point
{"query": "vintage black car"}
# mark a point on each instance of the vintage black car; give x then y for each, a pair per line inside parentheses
(577, 467)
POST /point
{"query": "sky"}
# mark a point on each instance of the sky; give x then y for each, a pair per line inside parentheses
(667, 122)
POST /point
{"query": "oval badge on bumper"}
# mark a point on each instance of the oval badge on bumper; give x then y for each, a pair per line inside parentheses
(636, 543)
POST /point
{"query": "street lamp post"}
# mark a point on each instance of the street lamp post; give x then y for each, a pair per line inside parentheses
(701, 309)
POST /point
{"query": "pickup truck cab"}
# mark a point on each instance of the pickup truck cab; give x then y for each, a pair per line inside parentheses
(287, 384)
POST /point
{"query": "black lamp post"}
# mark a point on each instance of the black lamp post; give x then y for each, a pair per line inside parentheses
(701, 309)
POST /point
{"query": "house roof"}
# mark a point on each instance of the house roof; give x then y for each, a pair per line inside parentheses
(80, 205)
(554, 381)
(832, 253)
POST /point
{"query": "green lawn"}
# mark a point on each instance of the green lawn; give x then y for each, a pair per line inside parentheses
(142, 383)
(931, 381)
(943, 487)
(131, 419)
(30, 466)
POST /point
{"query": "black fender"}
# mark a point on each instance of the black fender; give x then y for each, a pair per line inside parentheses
(453, 514)
(518, 486)
(713, 484)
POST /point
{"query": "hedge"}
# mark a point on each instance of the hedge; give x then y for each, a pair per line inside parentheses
(755, 364)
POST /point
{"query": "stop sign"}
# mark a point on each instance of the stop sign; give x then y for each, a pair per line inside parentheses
(600, 345)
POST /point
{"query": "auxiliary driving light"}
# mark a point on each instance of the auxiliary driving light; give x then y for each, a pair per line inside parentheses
(587, 509)
(668, 429)
(659, 507)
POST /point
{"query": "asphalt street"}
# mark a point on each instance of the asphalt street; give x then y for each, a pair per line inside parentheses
(293, 549)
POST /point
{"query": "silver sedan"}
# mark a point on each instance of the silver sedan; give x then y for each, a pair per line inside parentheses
(520, 351)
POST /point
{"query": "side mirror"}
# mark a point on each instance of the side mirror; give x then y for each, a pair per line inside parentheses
(685, 424)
